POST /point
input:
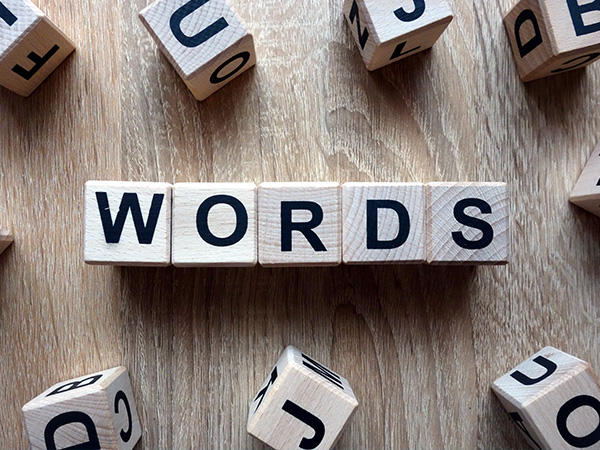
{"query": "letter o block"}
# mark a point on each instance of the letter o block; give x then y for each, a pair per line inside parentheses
(301, 405)
(549, 37)
(205, 40)
(554, 399)
(95, 411)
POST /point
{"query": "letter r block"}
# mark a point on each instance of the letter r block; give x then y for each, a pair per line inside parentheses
(554, 399)
(301, 405)
(95, 411)
(549, 37)
(31, 46)
(127, 224)
(205, 40)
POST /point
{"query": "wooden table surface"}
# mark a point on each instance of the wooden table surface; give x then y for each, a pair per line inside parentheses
(420, 345)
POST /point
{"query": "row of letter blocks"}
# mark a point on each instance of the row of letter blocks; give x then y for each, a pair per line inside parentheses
(295, 224)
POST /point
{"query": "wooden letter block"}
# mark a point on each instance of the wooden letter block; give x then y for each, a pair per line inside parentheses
(384, 223)
(5, 239)
(586, 193)
(554, 399)
(214, 224)
(299, 224)
(96, 412)
(127, 224)
(468, 223)
(301, 405)
(31, 46)
(549, 37)
(387, 31)
(205, 40)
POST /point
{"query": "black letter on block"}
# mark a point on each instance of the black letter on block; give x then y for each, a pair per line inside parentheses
(363, 36)
(263, 392)
(410, 17)
(72, 417)
(121, 397)
(565, 411)
(309, 419)
(75, 385)
(322, 370)
(306, 228)
(519, 421)
(545, 363)
(577, 12)
(399, 51)
(145, 233)
(525, 49)
(6, 15)
(39, 62)
(241, 222)
(373, 242)
(216, 76)
(484, 227)
(201, 37)
(584, 60)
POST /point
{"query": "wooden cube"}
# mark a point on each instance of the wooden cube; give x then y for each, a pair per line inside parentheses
(549, 37)
(554, 399)
(299, 224)
(467, 223)
(387, 31)
(586, 193)
(214, 224)
(31, 46)
(127, 224)
(383, 223)
(301, 405)
(5, 239)
(95, 411)
(205, 40)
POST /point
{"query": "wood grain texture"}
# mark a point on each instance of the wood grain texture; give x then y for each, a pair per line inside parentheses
(586, 192)
(420, 345)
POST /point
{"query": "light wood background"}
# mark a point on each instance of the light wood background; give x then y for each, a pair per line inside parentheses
(420, 345)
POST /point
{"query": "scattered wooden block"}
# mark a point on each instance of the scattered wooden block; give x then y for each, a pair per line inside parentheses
(388, 31)
(5, 239)
(214, 224)
(299, 224)
(586, 193)
(95, 411)
(554, 399)
(31, 46)
(205, 40)
(467, 223)
(550, 37)
(127, 223)
(301, 405)
(384, 223)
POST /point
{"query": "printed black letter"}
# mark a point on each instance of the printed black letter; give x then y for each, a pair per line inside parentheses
(519, 421)
(201, 37)
(373, 242)
(565, 411)
(536, 40)
(121, 397)
(363, 36)
(39, 62)
(6, 15)
(409, 17)
(545, 363)
(67, 418)
(217, 78)
(241, 221)
(484, 227)
(75, 385)
(577, 12)
(309, 419)
(322, 370)
(399, 50)
(306, 228)
(263, 392)
(583, 60)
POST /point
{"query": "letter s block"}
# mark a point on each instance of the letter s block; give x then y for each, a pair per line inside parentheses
(468, 223)
(554, 399)
(96, 411)
(205, 40)
(586, 193)
(301, 405)
(549, 37)
(31, 46)
(387, 31)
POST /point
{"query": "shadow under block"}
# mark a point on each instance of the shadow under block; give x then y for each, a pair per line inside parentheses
(554, 399)
(94, 411)
(127, 223)
(214, 224)
(468, 223)
(205, 40)
(301, 405)
(5, 239)
(383, 223)
(299, 224)
(31, 46)
(586, 193)
(549, 37)
(387, 31)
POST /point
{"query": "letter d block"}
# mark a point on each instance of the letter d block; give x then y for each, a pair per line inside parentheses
(205, 40)
(586, 193)
(96, 412)
(31, 46)
(549, 37)
(301, 405)
(127, 224)
(554, 399)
